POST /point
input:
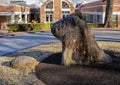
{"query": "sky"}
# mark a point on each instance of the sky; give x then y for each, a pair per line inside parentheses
(30, 1)
(38, 1)
(75, 1)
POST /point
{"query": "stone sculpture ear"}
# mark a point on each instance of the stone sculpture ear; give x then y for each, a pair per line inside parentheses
(76, 19)
(78, 13)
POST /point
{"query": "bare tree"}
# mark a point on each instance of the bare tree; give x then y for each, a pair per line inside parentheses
(109, 11)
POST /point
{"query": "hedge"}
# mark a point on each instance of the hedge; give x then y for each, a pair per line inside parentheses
(41, 26)
(28, 27)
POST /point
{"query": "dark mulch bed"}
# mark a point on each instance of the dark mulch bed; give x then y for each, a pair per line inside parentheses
(52, 73)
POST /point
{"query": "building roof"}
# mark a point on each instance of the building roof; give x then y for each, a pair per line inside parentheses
(17, 0)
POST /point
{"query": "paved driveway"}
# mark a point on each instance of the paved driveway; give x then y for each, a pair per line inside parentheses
(10, 44)
(111, 36)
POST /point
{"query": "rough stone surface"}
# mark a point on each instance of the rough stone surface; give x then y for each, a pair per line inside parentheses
(24, 62)
(78, 43)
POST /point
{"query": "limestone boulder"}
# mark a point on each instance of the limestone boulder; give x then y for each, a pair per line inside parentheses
(24, 62)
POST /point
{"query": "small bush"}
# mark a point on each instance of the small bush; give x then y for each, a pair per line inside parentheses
(14, 28)
(28, 27)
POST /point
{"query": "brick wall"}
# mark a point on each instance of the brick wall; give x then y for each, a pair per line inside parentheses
(42, 14)
(13, 9)
(57, 10)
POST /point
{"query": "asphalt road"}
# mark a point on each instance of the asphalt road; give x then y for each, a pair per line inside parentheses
(9, 44)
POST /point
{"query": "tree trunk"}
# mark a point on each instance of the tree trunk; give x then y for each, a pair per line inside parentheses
(108, 15)
(78, 43)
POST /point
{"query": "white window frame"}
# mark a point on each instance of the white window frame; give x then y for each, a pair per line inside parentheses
(50, 13)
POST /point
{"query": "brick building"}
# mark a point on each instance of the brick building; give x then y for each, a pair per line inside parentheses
(13, 14)
(95, 11)
(53, 10)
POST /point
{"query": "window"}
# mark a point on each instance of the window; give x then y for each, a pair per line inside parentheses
(98, 18)
(49, 5)
(65, 5)
(84, 17)
(49, 16)
(65, 14)
(8, 19)
(90, 18)
(114, 18)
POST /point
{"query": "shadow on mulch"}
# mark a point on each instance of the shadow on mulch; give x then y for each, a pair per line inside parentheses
(54, 59)
(52, 73)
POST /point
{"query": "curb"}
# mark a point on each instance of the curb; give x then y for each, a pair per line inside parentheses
(107, 29)
(3, 34)
(15, 33)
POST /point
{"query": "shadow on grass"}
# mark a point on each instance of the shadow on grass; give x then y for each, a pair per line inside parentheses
(38, 55)
(6, 63)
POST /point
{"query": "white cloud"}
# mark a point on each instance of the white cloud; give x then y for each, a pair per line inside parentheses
(30, 1)
(36, 1)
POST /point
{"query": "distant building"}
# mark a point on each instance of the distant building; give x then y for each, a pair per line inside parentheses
(13, 14)
(53, 10)
(95, 11)
(18, 2)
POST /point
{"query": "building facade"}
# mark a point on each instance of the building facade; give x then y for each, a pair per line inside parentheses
(53, 10)
(13, 14)
(95, 11)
